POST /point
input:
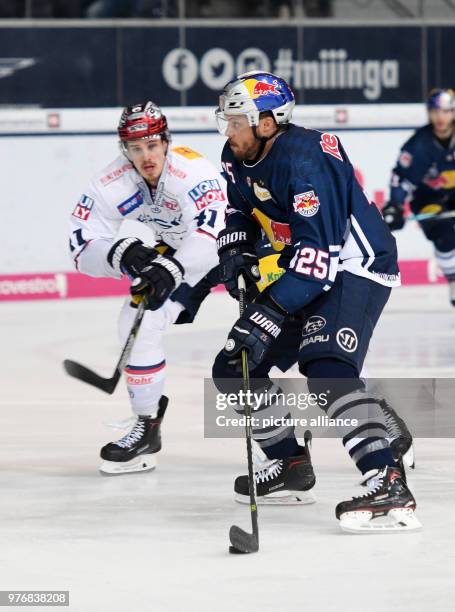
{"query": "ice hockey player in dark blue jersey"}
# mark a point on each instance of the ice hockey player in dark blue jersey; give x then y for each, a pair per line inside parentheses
(425, 175)
(297, 187)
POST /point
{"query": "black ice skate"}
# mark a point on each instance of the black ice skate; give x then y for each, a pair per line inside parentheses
(401, 442)
(388, 506)
(135, 452)
(280, 481)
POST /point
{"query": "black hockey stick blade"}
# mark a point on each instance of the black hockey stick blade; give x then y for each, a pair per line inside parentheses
(108, 385)
(79, 371)
(242, 542)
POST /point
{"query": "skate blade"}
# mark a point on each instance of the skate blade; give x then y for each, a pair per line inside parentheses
(290, 498)
(396, 521)
(142, 463)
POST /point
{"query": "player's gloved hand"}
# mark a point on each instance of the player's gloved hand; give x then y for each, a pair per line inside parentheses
(157, 281)
(393, 215)
(155, 275)
(238, 256)
(255, 331)
(130, 256)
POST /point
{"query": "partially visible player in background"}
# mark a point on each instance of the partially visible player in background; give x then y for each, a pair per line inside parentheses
(181, 196)
(425, 175)
(297, 187)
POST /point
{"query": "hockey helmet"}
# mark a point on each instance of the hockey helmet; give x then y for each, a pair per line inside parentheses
(441, 98)
(142, 121)
(253, 93)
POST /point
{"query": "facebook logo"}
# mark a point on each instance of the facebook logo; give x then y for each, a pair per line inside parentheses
(180, 69)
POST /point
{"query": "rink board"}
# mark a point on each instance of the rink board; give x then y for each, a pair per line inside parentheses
(60, 150)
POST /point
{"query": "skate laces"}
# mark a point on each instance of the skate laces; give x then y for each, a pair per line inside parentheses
(133, 436)
(267, 469)
(394, 428)
(374, 480)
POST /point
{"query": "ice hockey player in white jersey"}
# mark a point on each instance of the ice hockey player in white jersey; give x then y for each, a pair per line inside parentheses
(182, 197)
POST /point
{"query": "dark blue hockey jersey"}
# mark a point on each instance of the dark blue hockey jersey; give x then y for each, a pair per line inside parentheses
(305, 198)
(425, 170)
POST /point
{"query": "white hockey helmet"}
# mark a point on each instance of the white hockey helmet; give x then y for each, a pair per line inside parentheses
(253, 93)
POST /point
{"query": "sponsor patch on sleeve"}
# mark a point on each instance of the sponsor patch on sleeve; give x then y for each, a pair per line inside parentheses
(83, 208)
(130, 204)
(405, 159)
(306, 204)
(329, 144)
(206, 193)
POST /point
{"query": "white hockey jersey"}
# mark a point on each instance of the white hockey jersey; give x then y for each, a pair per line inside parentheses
(186, 212)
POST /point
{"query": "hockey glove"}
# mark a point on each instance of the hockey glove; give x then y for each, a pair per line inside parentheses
(130, 256)
(255, 331)
(155, 276)
(393, 215)
(157, 281)
(238, 256)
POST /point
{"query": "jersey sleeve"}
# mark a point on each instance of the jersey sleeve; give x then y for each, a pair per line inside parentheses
(318, 193)
(204, 205)
(94, 225)
(409, 171)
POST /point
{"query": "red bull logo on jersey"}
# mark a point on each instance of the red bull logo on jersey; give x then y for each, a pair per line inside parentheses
(306, 204)
(445, 180)
(281, 232)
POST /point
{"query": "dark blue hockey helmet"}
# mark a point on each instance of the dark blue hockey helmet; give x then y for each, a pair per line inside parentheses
(441, 98)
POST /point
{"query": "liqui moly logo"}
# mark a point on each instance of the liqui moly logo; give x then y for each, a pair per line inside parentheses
(206, 193)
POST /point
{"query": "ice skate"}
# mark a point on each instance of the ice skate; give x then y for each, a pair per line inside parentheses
(280, 481)
(137, 450)
(389, 505)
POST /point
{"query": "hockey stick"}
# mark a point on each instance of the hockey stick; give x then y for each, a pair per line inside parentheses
(450, 214)
(242, 541)
(108, 385)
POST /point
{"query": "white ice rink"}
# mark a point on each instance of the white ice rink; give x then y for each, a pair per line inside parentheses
(159, 541)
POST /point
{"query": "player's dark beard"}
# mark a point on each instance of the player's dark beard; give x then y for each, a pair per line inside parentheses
(246, 154)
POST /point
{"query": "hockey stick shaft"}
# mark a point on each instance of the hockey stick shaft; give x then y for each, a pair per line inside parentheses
(450, 214)
(108, 385)
(248, 427)
(242, 541)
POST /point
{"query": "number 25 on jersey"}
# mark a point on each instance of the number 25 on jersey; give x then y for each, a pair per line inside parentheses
(311, 262)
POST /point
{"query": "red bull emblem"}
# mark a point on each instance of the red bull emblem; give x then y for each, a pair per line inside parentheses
(281, 232)
(263, 89)
(306, 204)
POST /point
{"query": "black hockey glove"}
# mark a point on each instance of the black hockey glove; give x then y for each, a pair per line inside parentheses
(255, 331)
(158, 280)
(238, 256)
(155, 276)
(393, 215)
(130, 256)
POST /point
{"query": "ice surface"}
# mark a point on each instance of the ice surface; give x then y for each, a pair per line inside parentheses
(159, 541)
